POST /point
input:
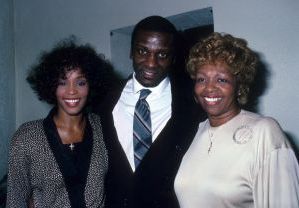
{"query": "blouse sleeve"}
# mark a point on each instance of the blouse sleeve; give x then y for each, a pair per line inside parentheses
(18, 188)
(276, 183)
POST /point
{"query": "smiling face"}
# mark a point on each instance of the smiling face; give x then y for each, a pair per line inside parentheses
(72, 93)
(215, 90)
(152, 56)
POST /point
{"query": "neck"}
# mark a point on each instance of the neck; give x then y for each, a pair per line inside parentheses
(220, 120)
(70, 128)
(62, 120)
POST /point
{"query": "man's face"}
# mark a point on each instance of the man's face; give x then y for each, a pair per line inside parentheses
(152, 56)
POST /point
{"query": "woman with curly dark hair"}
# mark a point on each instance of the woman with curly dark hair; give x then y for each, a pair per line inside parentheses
(237, 158)
(61, 161)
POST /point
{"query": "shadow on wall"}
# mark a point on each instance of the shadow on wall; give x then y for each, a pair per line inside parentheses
(259, 86)
(292, 138)
(3, 188)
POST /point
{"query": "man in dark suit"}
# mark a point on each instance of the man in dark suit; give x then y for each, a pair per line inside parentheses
(147, 181)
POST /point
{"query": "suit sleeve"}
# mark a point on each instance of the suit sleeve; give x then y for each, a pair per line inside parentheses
(18, 181)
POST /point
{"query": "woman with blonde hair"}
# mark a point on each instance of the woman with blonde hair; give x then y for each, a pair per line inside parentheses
(238, 158)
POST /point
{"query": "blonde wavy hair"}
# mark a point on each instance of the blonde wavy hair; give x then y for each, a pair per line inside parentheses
(229, 50)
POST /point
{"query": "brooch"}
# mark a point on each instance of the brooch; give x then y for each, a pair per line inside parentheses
(243, 134)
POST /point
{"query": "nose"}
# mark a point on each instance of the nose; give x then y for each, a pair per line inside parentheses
(210, 86)
(152, 61)
(72, 89)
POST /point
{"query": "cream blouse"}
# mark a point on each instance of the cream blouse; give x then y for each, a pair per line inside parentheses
(250, 164)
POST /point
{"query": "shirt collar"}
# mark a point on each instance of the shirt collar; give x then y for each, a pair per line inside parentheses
(155, 90)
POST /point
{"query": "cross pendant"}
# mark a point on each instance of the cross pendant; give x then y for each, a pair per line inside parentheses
(72, 146)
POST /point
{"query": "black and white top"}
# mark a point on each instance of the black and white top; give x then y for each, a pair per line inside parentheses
(41, 168)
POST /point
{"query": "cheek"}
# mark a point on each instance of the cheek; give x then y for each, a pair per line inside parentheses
(197, 94)
(59, 92)
(231, 92)
(231, 96)
(197, 90)
(137, 60)
(85, 91)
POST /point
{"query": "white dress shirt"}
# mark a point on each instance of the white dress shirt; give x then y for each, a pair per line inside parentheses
(250, 165)
(159, 101)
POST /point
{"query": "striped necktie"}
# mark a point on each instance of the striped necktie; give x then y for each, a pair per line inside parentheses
(142, 130)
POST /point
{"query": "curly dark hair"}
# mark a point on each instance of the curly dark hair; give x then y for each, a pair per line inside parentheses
(232, 51)
(64, 57)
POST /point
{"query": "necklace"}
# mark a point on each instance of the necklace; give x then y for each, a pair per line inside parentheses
(72, 146)
(70, 143)
(211, 139)
(211, 134)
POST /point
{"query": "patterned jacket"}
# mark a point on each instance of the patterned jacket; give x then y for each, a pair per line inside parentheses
(34, 172)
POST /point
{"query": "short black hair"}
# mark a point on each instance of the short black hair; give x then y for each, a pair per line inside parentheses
(66, 56)
(155, 24)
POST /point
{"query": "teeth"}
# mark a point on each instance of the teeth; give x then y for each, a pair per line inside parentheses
(212, 99)
(72, 101)
(148, 72)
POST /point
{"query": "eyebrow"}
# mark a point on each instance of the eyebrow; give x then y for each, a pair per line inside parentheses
(160, 48)
(78, 77)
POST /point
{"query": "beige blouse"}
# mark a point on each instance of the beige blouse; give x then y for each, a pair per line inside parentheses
(250, 164)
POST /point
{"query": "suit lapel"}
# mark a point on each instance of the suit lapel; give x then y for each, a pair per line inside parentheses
(115, 150)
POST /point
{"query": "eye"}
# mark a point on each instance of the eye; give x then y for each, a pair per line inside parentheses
(200, 80)
(222, 80)
(163, 55)
(82, 82)
(141, 51)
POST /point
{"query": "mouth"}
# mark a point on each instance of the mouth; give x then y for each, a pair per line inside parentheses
(149, 73)
(72, 102)
(212, 100)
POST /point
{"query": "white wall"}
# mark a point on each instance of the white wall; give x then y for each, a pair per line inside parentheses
(270, 26)
(7, 82)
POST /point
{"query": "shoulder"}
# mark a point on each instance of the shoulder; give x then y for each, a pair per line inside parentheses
(27, 133)
(30, 127)
(266, 130)
(259, 121)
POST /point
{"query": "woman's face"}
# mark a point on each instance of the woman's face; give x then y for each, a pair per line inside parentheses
(215, 90)
(72, 93)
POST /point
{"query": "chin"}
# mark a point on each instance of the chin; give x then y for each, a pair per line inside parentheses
(213, 113)
(75, 112)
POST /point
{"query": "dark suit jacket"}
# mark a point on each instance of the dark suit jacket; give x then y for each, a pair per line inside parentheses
(151, 185)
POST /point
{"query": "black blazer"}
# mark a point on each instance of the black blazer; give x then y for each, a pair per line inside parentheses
(152, 183)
